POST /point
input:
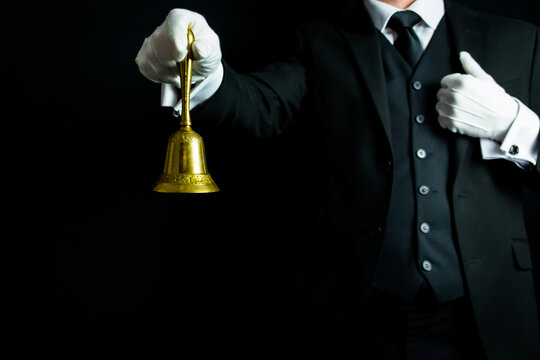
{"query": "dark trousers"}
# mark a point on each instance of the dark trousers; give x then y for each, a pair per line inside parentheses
(421, 330)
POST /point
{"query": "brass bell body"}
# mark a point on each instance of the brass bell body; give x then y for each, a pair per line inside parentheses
(185, 169)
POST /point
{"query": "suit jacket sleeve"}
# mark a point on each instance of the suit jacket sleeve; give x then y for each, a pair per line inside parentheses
(532, 177)
(262, 103)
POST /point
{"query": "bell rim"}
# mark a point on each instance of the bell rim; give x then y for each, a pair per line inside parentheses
(173, 187)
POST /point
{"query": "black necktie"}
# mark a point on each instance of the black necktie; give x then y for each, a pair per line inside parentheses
(407, 42)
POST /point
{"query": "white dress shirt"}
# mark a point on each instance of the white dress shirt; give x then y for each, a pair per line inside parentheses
(524, 131)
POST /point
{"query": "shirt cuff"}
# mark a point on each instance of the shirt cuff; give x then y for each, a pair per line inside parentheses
(520, 145)
(200, 92)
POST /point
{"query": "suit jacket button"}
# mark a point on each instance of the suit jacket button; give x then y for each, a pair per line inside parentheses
(376, 232)
(384, 165)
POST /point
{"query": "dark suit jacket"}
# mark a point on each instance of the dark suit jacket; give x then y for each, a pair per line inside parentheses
(332, 87)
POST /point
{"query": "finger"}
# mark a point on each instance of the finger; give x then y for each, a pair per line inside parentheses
(208, 58)
(154, 69)
(445, 95)
(145, 66)
(175, 28)
(461, 118)
(161, 59)
(148, 71)
(444, 109)
(471, 67)
(455, 81)
(455, 98)
(198, 25)
(205, 49)
(177, 24)
(466, 86)
(457, 126)
(446, 123)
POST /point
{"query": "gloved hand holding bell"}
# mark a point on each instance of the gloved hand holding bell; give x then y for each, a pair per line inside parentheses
(167, 45)
(185, 169)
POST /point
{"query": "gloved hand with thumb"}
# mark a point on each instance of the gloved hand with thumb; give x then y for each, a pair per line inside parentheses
(167, 45)
(474, 104)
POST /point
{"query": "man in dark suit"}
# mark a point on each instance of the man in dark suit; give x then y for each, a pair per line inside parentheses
(426, 114)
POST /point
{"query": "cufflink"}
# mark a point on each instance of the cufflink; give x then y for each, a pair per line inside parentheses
(514, 150)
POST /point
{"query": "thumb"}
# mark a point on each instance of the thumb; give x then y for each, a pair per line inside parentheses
(471, 67)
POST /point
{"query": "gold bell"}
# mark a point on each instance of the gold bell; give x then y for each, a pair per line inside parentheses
(185, 169)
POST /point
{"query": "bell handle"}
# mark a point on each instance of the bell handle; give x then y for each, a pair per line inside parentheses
(185, 68)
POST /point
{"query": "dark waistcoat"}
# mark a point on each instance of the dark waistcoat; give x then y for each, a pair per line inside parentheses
(419, 246)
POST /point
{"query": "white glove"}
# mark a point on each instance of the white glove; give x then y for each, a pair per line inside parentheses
(474, 104)
(167, 45)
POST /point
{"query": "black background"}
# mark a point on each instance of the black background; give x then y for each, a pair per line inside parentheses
(100, 266)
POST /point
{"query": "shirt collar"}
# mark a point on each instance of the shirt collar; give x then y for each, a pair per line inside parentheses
(431, 12)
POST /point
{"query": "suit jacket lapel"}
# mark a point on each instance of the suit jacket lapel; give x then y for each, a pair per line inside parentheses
(363, 40)
(469, 33)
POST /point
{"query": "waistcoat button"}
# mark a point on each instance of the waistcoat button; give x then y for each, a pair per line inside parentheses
(426, 265)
